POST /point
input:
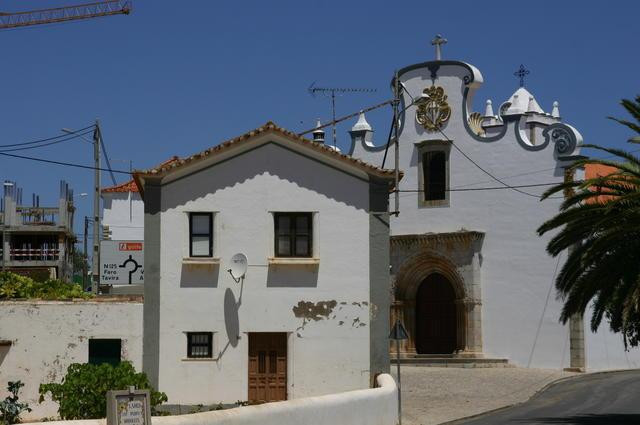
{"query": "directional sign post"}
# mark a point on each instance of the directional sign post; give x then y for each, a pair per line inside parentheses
(398, 333)
(121, 262)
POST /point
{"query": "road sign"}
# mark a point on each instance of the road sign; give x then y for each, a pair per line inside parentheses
(121, 262)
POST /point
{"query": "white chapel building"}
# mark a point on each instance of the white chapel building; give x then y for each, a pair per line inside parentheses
(311, 314)
(471, 276)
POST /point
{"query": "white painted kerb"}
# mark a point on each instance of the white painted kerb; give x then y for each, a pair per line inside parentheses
(375, 406)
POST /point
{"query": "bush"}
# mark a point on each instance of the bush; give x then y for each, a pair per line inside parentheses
(10, 407)
(13, 286)
(83, 391)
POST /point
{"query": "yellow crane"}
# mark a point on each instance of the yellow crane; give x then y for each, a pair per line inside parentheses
(65, 13)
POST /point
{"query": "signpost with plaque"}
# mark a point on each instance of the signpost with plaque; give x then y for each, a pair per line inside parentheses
(129, 407)
(121, 262)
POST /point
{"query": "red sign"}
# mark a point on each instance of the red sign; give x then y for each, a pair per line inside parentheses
(130, 246)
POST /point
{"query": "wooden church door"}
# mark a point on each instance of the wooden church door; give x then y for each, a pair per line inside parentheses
(267, 366)
(435, 316)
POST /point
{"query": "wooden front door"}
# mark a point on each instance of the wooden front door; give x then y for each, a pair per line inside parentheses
(267, 366)
(435, 316)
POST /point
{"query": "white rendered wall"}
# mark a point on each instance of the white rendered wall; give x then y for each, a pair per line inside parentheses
(375, 406)
(327, 355)
(47, 336)
(123, 212)
(516, 272)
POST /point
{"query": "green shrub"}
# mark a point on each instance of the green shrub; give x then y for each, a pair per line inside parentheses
(10, 407)
(82, 393)
(13, 286)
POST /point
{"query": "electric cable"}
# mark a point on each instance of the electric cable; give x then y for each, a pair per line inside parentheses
(44, 140)
(68, 164)
(106, 157)
(66, 138)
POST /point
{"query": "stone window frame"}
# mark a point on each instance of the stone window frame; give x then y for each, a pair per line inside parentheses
(434, 146)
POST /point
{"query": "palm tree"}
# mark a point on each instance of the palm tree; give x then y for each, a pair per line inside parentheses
(602, 235)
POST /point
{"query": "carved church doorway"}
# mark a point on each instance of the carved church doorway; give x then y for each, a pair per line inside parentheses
(436, 315)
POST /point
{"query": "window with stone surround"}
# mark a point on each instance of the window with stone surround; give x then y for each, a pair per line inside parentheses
(433, 173)
(200, 234)
(293, 234)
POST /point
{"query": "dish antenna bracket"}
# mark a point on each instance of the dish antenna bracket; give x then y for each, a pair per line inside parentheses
(238, 267)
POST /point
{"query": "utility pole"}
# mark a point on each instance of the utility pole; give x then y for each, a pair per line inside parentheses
(84, 254)
(396, 105)
(95, 258)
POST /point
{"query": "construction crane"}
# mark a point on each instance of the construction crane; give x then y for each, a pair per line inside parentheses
(65, 13)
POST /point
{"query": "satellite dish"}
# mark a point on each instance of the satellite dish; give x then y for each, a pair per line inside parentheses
(238, 266)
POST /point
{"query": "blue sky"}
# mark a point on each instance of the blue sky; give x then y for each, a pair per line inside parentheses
(175, 77)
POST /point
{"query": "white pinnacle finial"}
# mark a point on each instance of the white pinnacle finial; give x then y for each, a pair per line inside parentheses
(531, 105)
(318, 123)
(362, 123)
(555, 112)
(438, 41)
(488, 111)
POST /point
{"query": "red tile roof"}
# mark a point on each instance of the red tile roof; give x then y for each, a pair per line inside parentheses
(131, 186)
(268, 127)
(592, 171)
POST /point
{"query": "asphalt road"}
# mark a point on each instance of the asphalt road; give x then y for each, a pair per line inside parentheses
(599, 399)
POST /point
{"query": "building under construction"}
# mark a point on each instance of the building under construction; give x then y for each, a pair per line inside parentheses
(37, 241)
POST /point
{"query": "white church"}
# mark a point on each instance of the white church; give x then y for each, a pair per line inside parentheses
(471, 278)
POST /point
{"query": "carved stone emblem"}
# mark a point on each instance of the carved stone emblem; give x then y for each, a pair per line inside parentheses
(433, 110)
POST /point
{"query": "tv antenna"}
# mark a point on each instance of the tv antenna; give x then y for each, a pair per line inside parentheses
(331, 91)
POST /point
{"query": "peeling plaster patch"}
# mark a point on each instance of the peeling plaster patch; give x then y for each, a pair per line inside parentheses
(310, 311)
(71, 345)
(365, 303)
(343, 303)
(356, 303)
(340, 323)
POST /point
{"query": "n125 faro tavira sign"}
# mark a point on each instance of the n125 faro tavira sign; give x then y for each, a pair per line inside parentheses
(121, 262)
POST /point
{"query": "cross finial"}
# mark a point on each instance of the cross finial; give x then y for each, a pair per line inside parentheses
(438, 41)
(521, 73)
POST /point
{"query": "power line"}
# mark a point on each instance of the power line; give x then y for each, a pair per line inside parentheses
(106, 157)
(44, 140)
(66, 138)
(471, 189)
(346, 117)
(68, 164)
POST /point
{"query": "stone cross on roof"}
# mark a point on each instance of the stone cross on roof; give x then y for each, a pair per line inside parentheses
(438, 41)
(521, 73)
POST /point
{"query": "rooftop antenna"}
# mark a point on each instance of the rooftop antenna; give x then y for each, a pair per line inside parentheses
(331, 91)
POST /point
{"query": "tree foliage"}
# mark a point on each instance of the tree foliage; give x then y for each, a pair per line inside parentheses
(13, 286)
(10, 407)
(599, 224)
(83, 391)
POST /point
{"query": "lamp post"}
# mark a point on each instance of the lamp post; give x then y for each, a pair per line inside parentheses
(95, 258)
(397, 334)
(4, 223)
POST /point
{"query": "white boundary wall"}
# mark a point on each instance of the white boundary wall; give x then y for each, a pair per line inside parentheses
(375, 406)
(47, 336)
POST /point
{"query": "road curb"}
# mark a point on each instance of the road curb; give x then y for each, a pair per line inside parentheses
(541, 390)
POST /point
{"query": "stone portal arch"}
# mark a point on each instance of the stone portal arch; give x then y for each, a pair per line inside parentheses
(421, 269)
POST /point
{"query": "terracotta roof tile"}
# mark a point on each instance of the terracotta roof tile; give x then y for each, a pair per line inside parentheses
(269, 126)
(131, 185)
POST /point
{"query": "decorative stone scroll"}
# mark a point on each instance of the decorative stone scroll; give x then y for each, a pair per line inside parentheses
(562, 136)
